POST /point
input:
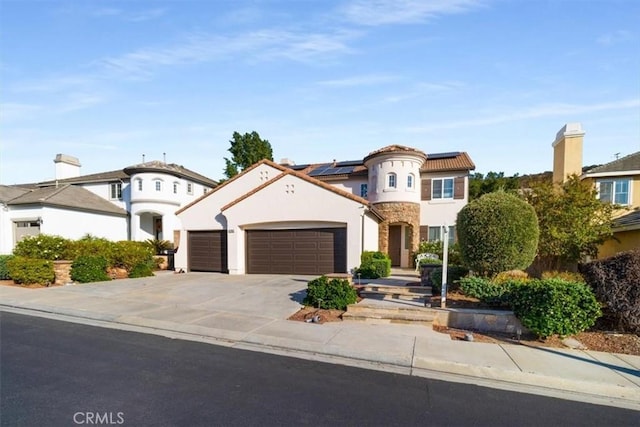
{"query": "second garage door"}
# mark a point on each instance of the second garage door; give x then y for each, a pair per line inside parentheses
(310, 251)
(208, 251)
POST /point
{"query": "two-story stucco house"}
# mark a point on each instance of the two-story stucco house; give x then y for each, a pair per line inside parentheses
(318, 218)
(617, 182)
(134, 203)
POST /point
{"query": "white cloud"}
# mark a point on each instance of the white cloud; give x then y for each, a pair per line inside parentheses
(198, 48)
(381, 12)
(545, 110)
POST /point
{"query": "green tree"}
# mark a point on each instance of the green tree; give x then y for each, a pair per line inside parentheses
(493, 181)
(497, 232)
(572, 221)
(246, 150)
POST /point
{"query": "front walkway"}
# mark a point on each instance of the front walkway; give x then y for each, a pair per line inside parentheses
(250, 312)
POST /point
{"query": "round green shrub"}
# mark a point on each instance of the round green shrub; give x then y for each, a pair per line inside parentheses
(373, 265)
(554, 306)
(334, 293)
(128, 254)
(86, 269)
(26, 271)
(92, 246)
(497, 232)
(140, 270)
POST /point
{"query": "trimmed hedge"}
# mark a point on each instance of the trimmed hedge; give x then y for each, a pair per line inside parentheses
(128, 254)
(373, 265)
(554, 306)
(26, 271)
(454, 274)
(334, 293)
(491, 293)
(4, 271)
(497, 232)
(616, 283)
(89, 269)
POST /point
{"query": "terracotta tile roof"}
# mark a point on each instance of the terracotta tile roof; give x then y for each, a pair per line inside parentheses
(627, 163)
(70, 197)
(230, 180)
(455, 161)
(395, 148)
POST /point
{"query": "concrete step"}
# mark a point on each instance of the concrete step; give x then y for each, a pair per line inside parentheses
(393, 296)
(382, 314)
(396, 290)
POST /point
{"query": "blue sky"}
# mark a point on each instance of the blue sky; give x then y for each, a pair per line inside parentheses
(110, 81)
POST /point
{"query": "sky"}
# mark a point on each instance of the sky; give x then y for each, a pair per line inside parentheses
(111, 81)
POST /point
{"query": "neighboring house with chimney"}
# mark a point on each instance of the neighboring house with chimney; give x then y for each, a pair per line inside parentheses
(319, 218)
(134, 203)
(617, 182)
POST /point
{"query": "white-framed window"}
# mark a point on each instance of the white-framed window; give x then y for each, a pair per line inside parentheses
(175, 187)
(614, 191)
(204, 190)
(442, 188)
(435, 234)
(391, 180)
(158, 185)
(115, 192)
(189, 188)
(139, 184)
(410, 181)
(363, 190)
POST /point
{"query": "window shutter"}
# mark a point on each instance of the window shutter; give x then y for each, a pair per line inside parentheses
(424, 232)
(426, 190)
(458, 188)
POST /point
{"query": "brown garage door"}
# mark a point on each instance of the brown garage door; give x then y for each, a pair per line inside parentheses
(208, 251)
(311, 251)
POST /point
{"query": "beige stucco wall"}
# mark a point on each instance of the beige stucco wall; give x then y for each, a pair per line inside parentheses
(627, 240)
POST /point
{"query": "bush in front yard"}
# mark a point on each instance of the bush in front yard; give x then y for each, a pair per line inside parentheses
(334, 293)
(374, 265)
(86, 269)
(554, 306)
(26, 271)
(485, 290)
(616, 283)
(454, 274)
(4, 272)
(497, 232)
(128, 254)
(140, 270)
(42, 246)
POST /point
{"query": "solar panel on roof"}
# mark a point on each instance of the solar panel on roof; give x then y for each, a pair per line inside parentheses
(449, 155)
(349, 163)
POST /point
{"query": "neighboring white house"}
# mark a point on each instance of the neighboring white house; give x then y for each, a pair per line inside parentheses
(134, 203)
(316, 219)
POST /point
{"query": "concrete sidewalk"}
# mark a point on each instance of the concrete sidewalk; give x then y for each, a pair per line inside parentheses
(250, 312)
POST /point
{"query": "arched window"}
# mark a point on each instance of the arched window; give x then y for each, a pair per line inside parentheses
(391, 180)
(158, 184)
(175, 187)
(139, 183)
(410, 181)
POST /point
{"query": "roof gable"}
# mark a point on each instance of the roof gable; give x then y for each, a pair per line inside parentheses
(231, 180)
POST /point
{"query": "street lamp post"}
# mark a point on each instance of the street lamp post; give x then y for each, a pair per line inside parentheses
(445, 261)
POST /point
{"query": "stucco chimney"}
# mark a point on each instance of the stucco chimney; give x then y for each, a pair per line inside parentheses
(287, 162)
(66, 166)
(567, 152)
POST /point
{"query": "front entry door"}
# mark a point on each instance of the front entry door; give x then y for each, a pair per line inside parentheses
(395, 244)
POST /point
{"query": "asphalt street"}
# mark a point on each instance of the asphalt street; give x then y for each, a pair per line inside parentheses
(59, 374)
